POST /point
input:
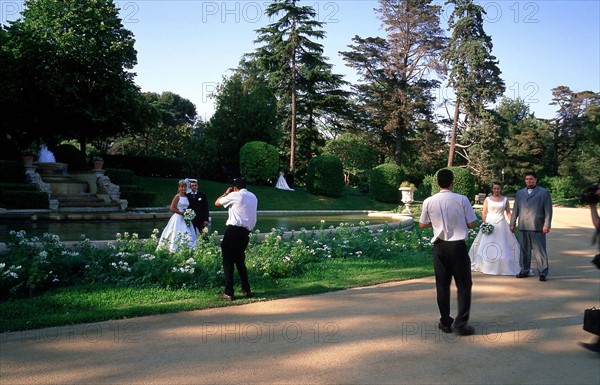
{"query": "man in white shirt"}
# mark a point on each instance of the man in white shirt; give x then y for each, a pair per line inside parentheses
(451, 215)
(242, 206)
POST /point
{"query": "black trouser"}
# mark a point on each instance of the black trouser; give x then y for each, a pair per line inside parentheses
(451, 259)
(233, 248)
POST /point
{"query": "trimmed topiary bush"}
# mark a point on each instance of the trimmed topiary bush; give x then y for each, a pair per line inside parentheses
(325, 176)
(384, 181)
(259, 162)
(464, 182)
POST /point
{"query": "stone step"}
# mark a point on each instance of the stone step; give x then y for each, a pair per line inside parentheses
(77, 198)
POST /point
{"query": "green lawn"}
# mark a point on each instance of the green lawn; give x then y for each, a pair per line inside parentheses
(269, 198)
(101, 302)
(97, 303)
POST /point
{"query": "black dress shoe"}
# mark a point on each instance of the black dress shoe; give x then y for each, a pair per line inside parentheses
(543, 278)
(522, 274)
(226, 297)
(465, 330)
(444, 328)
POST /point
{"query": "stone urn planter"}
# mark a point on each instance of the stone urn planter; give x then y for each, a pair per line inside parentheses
(28, 158)
(98, 163)
(407, 197)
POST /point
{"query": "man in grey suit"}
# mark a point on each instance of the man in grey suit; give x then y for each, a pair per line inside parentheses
(533, 208)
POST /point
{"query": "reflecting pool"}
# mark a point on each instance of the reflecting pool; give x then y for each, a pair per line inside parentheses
(106, 230)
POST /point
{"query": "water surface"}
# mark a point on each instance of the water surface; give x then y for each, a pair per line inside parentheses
(106, 230)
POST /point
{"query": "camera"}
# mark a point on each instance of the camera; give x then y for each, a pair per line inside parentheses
(590, 196)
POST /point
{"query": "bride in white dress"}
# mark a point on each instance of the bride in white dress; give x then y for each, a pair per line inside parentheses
(177, 232)
(282, 184)
(496, 253)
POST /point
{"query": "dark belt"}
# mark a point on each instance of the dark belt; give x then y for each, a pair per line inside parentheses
(239, 227)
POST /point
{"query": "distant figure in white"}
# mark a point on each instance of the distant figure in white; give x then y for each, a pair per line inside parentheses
(282, 184)
(45, 155)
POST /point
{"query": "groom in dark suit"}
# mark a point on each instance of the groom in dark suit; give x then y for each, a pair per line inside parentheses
(533, 208)
(199, 204)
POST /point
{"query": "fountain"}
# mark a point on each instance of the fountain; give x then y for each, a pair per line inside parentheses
(79, 192)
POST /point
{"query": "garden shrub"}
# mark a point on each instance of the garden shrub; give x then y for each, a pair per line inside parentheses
(69, 154)
(325, 176)
(384, 181)
(564, 190)
(12, 172)
(26, 198)
(154, 166)
(259, 162)
(464, 182)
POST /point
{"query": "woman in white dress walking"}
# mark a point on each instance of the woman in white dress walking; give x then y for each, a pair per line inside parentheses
(496, 253)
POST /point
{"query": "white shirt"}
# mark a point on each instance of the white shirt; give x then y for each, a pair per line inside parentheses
(242, 207)
(448, 214)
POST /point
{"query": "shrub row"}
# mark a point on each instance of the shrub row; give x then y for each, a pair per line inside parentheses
(154, 166)
(26, 198)
(12, 171)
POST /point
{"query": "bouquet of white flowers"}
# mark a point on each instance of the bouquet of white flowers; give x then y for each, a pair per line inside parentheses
(487, 228)
(188, 216)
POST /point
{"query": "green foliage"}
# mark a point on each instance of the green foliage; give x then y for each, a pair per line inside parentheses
(384, 181)
(12, 172)
(393, 96)
(69, 72)
(138, 198)
(120, 176)
(9, 149)
(245, 110)
(464, 182)
(564, 190)
(154, 166)
(357, 156)
(292, 61)
(24, 199)
(31, 266)
(69, 154)
(259, 162)
(325, 176)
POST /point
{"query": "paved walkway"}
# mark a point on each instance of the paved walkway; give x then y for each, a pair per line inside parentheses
(527, 333)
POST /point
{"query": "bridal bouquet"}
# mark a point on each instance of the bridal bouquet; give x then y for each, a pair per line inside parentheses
(487, 228)
(188, 216)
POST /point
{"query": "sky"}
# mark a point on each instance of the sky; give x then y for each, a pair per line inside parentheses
(188, 46)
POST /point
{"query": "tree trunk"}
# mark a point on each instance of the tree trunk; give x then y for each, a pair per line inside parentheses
(453, 135)
(293, 107)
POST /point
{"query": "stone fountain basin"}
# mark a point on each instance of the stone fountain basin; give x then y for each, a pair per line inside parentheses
(47, 168)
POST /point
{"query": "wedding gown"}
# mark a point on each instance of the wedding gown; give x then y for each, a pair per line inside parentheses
(282, 184)
(496, 253)
(176, 230)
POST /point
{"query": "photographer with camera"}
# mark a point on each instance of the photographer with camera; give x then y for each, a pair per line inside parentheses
(591, 198)
(242, 208)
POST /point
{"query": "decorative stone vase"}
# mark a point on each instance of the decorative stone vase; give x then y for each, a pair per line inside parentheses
(28, 158)
(407, 198)
(98, 164)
